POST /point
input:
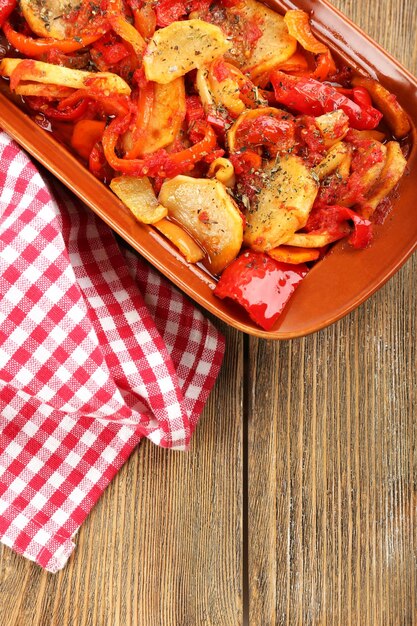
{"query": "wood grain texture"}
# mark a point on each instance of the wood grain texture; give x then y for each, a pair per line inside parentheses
(307, 450)
(332, 445)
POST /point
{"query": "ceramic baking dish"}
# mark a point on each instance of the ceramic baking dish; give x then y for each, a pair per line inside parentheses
(336, 285)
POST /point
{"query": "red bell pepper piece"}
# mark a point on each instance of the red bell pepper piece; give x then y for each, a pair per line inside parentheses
(34, 48)
(144, 17)
(85, 135)
(261, 285)
(6, 7)
(360, 95)
(311, 97)
(159, 163)
(333, 219)
(59, 113)
(169, 11)
(98, 165)
(110, 50)
(194, 109)
(276, 134)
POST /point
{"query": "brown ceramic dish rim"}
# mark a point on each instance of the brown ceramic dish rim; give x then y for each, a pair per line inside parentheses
(335, 286)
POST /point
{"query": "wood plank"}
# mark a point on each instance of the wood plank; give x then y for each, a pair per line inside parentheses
(332, 534)
(332, 444)
(163, 545)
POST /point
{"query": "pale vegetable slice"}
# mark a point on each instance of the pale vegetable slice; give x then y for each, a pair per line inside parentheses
(223, 170)
(231, 89)
(311, 240)
(295, 256)
(203, 88)
(333, 159)
(282, 206)
(45, 91)
(275, 44)
(181, 240)
(181, 47)
(387, 103)
(392, 172)
(40, 72)
(168, 112)
(333, 126)
(226, 93)
(205, 209)
(377, 135)
(138, 195)
(167, 115)
(47, 18)
(343, 170)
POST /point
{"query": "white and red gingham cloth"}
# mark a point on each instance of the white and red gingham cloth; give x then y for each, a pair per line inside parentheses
(96, 352)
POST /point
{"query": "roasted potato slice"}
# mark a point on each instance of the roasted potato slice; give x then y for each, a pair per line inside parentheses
(226, 93)
(274, 46)
(387, 103)
(167, 116)
(333, 159)
(282, 206)
(47, 73)
(203, 88)
(138, 195)
(312, 240)
(295, 256)
(391, 173)
(377, 135)
(27, 88)
(181, 240)
(205, 209)
(49, 18)
(333, 126)
(181, 47)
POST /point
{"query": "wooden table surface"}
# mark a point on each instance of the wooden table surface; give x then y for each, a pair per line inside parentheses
(297, 502)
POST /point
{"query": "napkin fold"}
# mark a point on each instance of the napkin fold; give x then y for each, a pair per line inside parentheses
(97, 351)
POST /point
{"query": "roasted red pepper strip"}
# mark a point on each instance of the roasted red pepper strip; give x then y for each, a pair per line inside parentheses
(34, 48)
(333, 219)
(110, 50)
(169, 11)
(85, 135)
(98, 165)
(325, 66)
(143, 115)
(67, 114)
(274, 133)
(144, 17)
(360, 95)
(194, 109)
(6, 7)
(160, 163)
(261, 285)
(309, 96)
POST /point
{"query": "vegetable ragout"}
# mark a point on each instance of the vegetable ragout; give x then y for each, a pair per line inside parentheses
(230, 128)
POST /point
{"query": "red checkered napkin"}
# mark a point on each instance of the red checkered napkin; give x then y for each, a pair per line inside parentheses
(96, 352)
